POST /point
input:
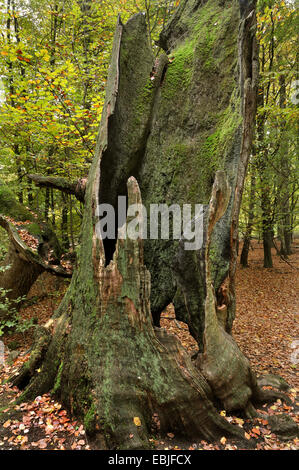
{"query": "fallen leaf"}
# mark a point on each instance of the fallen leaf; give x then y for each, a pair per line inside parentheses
(137, 421)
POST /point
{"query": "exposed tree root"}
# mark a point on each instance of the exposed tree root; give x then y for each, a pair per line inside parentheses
(250, 411)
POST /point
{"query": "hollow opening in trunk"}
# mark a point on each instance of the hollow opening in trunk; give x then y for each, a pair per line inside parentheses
(120, 211)
(180, 329)
(116, 221)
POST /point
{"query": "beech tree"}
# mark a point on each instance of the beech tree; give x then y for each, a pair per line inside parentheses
(174, 130)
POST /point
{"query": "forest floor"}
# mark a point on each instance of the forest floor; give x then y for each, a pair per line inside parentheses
(266, 330)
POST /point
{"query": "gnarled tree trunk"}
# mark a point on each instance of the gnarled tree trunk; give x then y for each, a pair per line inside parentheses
(182, 126)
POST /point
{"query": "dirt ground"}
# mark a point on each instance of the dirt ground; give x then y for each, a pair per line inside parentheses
(265, 328)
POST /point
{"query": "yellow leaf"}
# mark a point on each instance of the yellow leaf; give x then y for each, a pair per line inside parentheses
(239, 421)
(137, 421)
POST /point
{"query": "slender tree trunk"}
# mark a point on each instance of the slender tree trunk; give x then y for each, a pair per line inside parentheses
(53, 36)
(71, 223)
(249, 227)
(267, 241)
(284, 197)
(30, 195)
(86, 6)
(53, 208)
(64, 223)
(264, 177)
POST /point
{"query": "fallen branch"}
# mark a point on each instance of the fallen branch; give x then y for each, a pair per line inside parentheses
(76, 188)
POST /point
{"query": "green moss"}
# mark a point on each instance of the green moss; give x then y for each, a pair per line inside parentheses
(146, 94)
(10, 207)
(34, 229)
(206, 46)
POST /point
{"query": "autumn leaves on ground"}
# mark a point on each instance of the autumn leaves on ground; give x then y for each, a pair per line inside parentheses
(266, 328)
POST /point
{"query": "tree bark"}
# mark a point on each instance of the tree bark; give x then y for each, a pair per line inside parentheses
(20, 276)
(267, 233)
(100, 353)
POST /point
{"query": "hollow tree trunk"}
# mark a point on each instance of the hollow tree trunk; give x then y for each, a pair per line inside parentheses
(116, 366)
(100, 353)
(267, 241)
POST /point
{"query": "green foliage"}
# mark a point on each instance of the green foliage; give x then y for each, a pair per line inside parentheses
(14, 323)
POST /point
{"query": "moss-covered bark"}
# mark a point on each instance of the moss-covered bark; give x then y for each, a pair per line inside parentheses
(105, 360)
